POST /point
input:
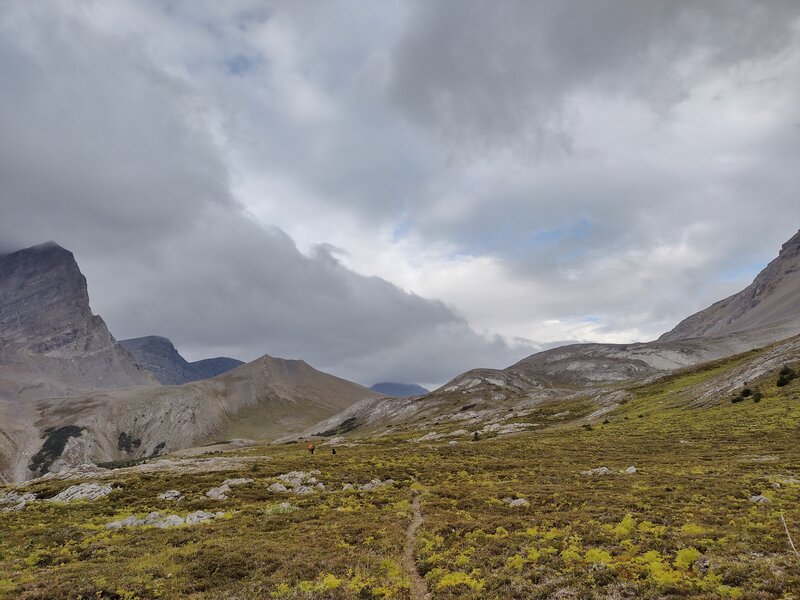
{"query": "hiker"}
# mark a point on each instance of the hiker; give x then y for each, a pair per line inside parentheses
(310, 447)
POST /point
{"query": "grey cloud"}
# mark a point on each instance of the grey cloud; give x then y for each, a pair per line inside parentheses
(489, 75)
(112, 157)
(613, 157)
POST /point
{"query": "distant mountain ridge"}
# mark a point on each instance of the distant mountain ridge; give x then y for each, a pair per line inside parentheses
(160, 357)
(399, 390)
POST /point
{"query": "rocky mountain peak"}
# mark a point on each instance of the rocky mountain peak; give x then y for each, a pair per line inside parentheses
(49, 339)
(770, 304)
(44, 302)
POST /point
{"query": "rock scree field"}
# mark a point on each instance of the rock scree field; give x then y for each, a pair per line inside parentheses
(552, 513)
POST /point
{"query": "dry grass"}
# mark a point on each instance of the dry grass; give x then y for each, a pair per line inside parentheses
(683, 526)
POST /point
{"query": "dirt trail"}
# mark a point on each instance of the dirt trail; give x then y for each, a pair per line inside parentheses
(419, 589)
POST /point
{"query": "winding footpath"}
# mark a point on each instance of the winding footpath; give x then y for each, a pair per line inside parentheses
(419, 588)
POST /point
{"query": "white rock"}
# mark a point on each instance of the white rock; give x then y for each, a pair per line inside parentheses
(170, 521)
(201, 516)
(152, 518)
(14, 508)
(430, 437)
(218, 493)
(630, 471)
(277, 488)
(13, 497)
(240, 481)
(519, 502)
(596, 472)
(82, 491)
(171, 495)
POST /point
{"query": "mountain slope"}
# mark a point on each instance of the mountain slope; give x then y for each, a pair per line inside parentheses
(262, 399)
(70, 393)
(399, 390)
(160, 357)
(50, 342)
(770, 305)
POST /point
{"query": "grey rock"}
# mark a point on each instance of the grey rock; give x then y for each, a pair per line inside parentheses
(171, 495)
(347, 486)
(598, 472)
(277, 488)
(170, 521)
(303, 490)
(202, 516)
(152, 518)
(374, 484)
(759, 499)
(156, 519)
(240, 481)
(518, 503)
(218, 493)
(630, 470)
(82, 491)
(13, 497)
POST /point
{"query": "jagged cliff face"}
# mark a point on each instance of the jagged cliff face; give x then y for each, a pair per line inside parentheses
(50, 342)
(770, 306)
(69, 393)
(159, 356)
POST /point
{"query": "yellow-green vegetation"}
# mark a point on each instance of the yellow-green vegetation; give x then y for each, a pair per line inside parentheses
(683, 526)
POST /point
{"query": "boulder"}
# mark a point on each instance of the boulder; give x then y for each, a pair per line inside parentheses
(239, 481)
(519, 502)
(83, 491)
(600, 471)
(171, 495)
(218, 493)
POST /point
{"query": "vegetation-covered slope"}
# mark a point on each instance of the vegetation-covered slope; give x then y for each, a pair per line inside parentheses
(685, 524)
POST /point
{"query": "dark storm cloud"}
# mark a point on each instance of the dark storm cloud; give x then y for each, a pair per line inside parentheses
(112, 157)
(498, 74)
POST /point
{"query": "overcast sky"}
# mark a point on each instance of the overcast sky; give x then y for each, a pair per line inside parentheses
(401, 190)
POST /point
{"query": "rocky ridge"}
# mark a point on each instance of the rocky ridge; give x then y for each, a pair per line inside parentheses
(159, 356)
(769, 306)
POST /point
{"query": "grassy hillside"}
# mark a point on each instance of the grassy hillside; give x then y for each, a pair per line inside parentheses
(682, 525)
